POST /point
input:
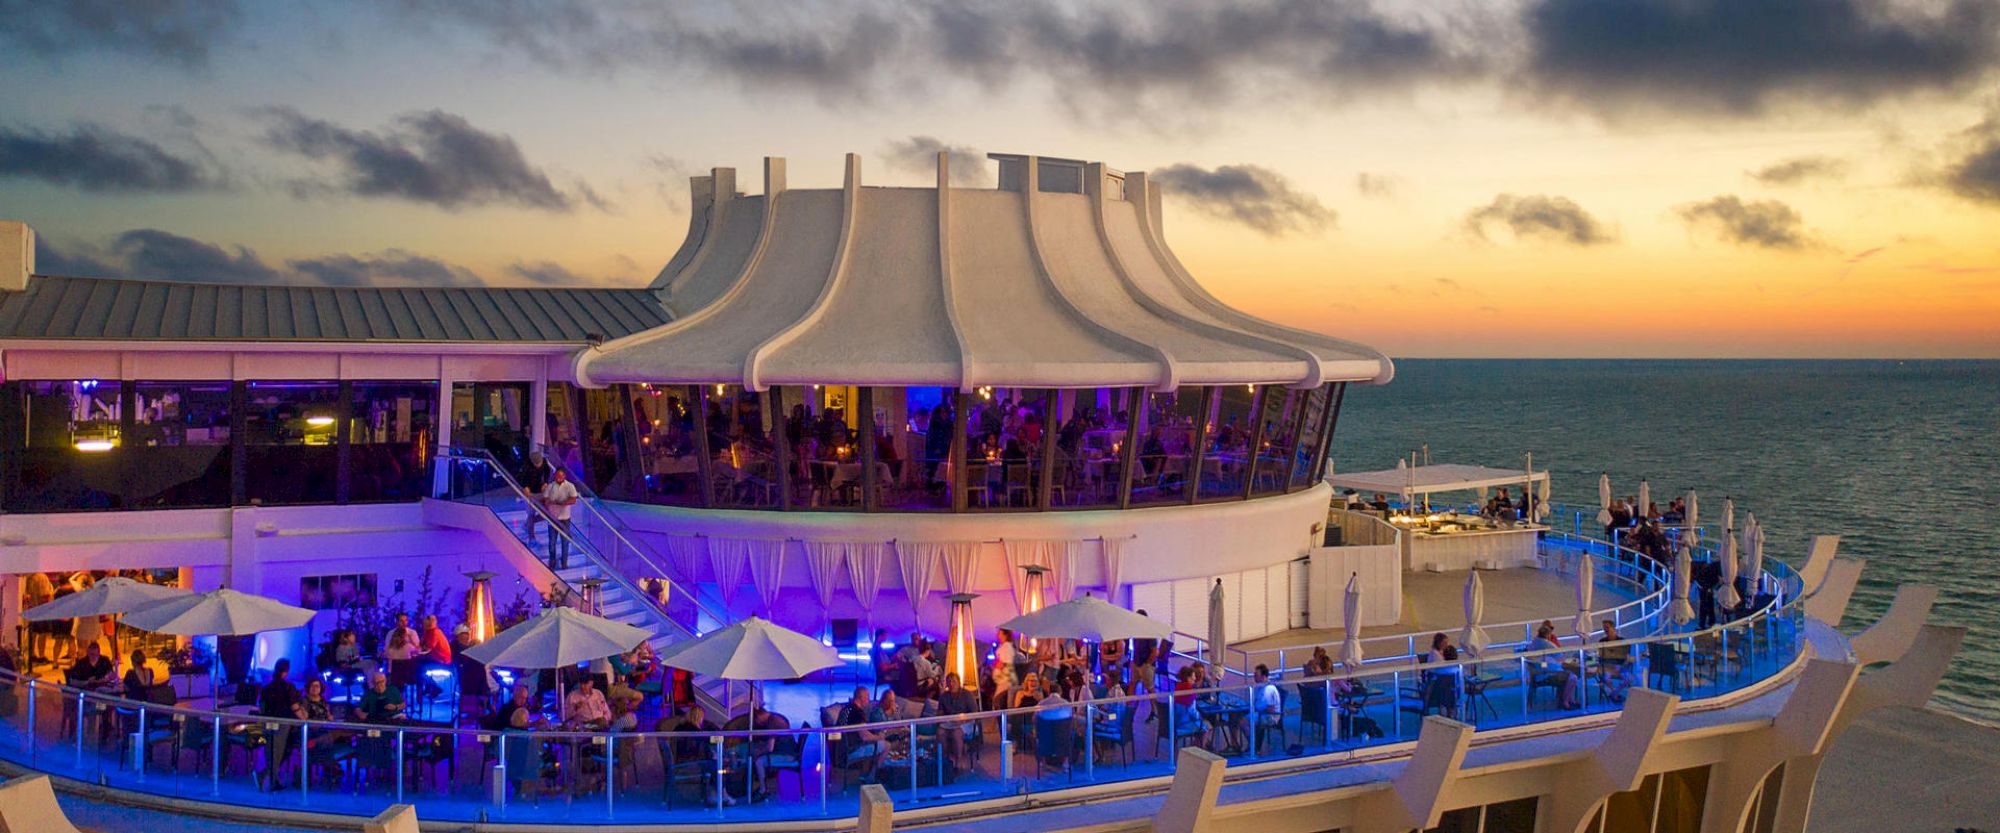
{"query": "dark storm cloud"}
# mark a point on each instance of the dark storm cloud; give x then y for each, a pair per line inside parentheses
(100, 160)
(1254, 196)
(1801, 169)
(1975, 171)
(153, 254)
(432, 157)
(1091, 54)
(1379, 186)
(919, 153)
(391, 267)
(180, 33)
(1539, 217)
(1737, 58)
(1757, 224)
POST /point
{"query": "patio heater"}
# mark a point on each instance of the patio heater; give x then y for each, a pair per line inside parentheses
(592, 595)
(1031, 592)
(479, 605)
(961, 655)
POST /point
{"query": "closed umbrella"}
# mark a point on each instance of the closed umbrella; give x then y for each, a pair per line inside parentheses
(223, 612)
(1693, 520)
(1087, 617)
(1604, 499)
(1726, 595)
(1542, 501)
(1682, 611)
(1756, 564)
(1645, 499)
(1586, 580)
(1473, 637)
(1218, 628)
(1350, 623)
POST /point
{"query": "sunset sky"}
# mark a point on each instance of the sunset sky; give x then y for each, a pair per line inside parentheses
(1540, 178)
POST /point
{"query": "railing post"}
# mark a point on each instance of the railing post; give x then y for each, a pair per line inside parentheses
(610, 773)
(28, 737)
(721, 789)
(1527, 683)
(501, 793)
(825, 764)
(81, 702)
(138, 740)
(399, 766)
(913, 761)
(1396, 702)
(305, 762)
(215, 755)
(1007, 748)
(1089, 740)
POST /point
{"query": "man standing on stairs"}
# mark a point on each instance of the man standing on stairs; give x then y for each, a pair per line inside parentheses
(558, 496)
(533, 480)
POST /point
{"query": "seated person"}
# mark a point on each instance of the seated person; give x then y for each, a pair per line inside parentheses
(1549, 670)
(865, 749)
(92, 670)
(138, 676)
(381, 703)
(1614, 664)
(587, 707)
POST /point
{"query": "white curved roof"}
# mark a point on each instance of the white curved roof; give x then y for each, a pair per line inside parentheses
(1064, 283)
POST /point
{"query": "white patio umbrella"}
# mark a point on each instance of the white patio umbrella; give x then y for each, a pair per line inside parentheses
(1726, 595)
(1218, 628)
(1350, 623)
(1604, 499)
(109, 597)
(1682, 611)
(1586, 583)
(223, 612)
(558, 637)
(1542, 500)
(1693, 519)
(1645, 499)
(1473, 637)
(752, 651)
(1756, 563)
(1087, 617)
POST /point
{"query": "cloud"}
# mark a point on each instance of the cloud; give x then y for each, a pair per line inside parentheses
(179, 33)
(1975, 173)
(1248, 194)
(100, 160)
(1129, 56)
(1377, 186)
(1800, 169)
(1539, 217)
(969, 166)
(394, 266)
(153, 254)
(432, 157)
(1759, 224)
(1728, 57)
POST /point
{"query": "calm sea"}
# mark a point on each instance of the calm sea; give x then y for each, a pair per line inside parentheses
(1900, 458)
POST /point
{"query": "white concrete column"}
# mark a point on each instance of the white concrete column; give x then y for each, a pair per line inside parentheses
(1190, 804)
(538, 408)
(447, 418)
(877, 814)
(10, 610)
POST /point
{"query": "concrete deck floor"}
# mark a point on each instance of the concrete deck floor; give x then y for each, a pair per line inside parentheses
(1433, 602)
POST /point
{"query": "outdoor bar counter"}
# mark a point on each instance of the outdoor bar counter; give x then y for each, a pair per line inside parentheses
(1466, 542)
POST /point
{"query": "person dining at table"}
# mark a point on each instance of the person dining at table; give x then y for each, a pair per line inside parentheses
(1320, 664)
(138, 676)
(278, 698)
(92, 670)
(521, 756)
(865, 749)
(1549, 669)
(1614, 664)
(1269, 703)
(381, 703)
(587, 707)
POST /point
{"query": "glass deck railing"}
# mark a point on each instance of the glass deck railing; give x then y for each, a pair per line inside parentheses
(558, 777)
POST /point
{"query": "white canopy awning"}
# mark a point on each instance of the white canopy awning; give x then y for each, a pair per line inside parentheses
(1070, 285)
(1440, 477)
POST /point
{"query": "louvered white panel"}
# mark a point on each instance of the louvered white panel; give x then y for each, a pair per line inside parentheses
(1277, 597)
(1191, 607)
(1250, 622)
(1157, 599)
(1300, 601)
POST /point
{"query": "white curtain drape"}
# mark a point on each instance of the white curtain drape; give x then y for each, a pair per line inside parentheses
(767, 571)
(960, 560)
(727, 557)
(864, 569)
(1114, 567)
(823, 559)
(685, 553)
(917, 562)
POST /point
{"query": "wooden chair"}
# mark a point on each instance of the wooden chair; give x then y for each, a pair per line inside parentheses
(1017, 484)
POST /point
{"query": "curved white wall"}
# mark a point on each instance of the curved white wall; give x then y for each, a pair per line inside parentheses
(1167, 543)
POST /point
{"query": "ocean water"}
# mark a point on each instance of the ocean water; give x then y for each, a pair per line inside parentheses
(1899, 458)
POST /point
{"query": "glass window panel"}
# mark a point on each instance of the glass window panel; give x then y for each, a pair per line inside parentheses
(392, 427)
(1006, 429)
(1681, 795)
(1461, 820)
(493, 416)
(1225, 460)
(1166, 442)
(821, 425)
(288, 434)
(664, 416)
(71, 458)
(925, 421)
(603, 450)
(179, 446)
(1090, 435)
(1517, 816)
(1632, 809)
(1311, 425)
(745, 471)
(1280, 421)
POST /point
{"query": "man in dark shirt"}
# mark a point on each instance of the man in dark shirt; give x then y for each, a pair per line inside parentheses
(278, 699)
(534, 476)
(866, 747)
(91, 671)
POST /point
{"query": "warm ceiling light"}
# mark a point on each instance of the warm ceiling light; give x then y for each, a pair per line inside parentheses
(95, 445)
(319, 421)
